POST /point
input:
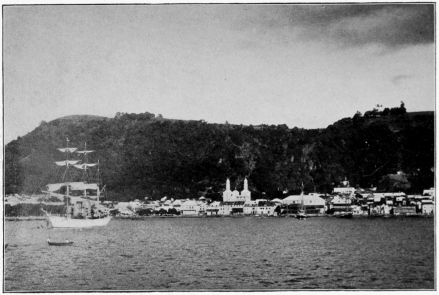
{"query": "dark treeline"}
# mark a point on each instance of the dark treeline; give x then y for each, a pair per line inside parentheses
(20, 210)
(143, 155)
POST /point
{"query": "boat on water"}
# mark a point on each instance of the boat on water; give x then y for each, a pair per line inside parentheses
(346, 215)
(65, 243)
(84, 213)
(301, 213)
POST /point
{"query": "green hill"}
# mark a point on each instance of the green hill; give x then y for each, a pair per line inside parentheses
(143, 155)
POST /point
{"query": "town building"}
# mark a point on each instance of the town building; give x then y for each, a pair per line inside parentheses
(235, 196)
(312, 203)
(189, 208)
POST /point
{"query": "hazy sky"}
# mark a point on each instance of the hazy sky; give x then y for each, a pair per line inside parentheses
(301, 65)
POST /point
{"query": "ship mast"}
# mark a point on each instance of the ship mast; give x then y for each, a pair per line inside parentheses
(84, 166)
(67, 163)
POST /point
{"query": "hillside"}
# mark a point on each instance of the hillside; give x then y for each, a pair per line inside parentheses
(146, 155)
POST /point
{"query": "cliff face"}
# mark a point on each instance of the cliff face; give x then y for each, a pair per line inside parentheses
(144, 155)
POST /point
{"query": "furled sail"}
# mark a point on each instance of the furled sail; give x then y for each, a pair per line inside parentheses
(70, 150)
(66, 163)
(83, 186)
(52, 187)
(84, 166)
(84, 152)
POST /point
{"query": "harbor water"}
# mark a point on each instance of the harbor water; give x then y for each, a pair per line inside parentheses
(246, 253)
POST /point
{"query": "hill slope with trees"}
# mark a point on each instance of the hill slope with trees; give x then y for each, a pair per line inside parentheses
(143, 155)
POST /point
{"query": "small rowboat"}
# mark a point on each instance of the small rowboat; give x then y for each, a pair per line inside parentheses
(60, 243)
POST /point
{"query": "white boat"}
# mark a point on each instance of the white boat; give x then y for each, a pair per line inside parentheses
(82, 214)
(65, 222)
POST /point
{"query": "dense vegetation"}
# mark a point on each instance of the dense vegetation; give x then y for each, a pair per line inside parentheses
(20, 210)
(142, 155)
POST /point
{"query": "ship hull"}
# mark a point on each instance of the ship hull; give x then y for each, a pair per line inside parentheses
(62, 222)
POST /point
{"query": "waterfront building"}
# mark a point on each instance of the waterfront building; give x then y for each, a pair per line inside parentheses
(338, 204)
(404, 210)
(428, 209)
(260, 207)
(389, 198)
(312, 203)
(203, 207)
(250, 207)
(189, 208)
(213, 208)
(422, 202)
(233, 201)
(265, 207)
(429, 192)
(153, 205)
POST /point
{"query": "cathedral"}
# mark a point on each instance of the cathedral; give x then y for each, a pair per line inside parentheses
(235, 196)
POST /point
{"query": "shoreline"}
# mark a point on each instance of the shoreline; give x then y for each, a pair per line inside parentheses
(25, 218)
(32, 218)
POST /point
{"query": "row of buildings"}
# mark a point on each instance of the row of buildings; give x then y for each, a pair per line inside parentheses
(343, 199)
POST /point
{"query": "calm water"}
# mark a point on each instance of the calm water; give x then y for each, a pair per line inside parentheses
(223, 254)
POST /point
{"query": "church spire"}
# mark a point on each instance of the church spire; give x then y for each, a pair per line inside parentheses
(245, 184)
(227, 185)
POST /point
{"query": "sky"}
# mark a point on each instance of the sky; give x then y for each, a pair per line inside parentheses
(303, 65)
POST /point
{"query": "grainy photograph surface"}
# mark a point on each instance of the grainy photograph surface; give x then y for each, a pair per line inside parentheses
(218, 147)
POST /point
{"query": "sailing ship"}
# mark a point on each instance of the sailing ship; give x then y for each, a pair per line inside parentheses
(86, 212)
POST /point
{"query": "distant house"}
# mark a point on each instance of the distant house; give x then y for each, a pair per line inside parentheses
(203, 207)
(339, 204)
(177, 205)
(429, 192)
(344, 190)
(428, 209)
(189, 208)
(308, 200)
(250, 208)
(265, 207)
(312, 203)
(213, 208)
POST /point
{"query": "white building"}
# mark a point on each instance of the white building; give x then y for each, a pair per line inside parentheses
(428, 209)
(344, 190)
(235, 196)
(429, 192)
(250, 208)
(203, 207)
(189, 208)
(213, 208)
(233, 202)
(308, 200)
